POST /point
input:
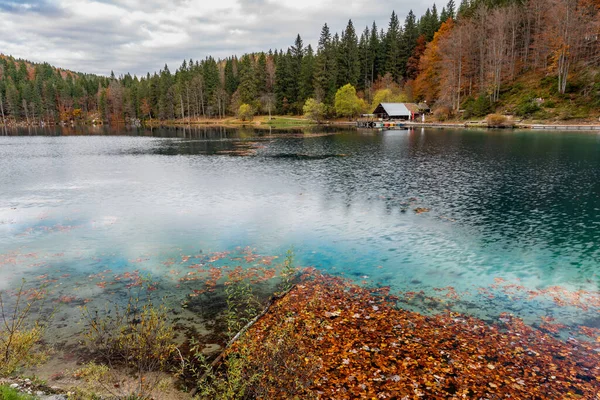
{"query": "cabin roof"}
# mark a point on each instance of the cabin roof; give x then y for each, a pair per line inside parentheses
(393, 109)
(412, 107)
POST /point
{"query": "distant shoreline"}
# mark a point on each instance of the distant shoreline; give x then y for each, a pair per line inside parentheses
(282, 122)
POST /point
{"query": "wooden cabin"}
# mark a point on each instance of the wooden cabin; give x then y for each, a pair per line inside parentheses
(398, 111)
(392, 111)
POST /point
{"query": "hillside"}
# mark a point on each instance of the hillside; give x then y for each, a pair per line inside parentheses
(536, 59)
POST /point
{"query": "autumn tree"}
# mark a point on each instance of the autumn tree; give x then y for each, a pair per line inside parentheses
(314, 110)
(347, 103)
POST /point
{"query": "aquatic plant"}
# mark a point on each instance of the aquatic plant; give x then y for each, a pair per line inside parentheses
(242, 305)
(288, 271)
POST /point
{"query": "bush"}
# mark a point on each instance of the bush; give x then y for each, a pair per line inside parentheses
(246, 112)
(137, 337)
(314, 110)
(477, 108)
(498, 121)
(482, 106)
(442, 113)
(527, 107)
(21, 331)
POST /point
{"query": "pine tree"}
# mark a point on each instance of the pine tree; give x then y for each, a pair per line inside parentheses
(348, 57)
(248, 91)
(392, 49)
(450, 10)
(295, 65)
(409, 39)
(324, 79)
(375, 54)
(261, 75)
(307, 74)
(231, 81)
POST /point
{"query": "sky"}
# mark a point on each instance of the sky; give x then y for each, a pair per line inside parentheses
(140, 36)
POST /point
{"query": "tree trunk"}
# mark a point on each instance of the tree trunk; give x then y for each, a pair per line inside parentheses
(2, 111)
(25, 109)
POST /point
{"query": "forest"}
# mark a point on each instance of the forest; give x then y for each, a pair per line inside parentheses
(529, 58)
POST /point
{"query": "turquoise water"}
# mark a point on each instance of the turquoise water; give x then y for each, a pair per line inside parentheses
(88, 211)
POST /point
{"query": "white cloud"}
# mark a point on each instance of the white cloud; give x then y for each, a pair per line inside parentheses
(140, 36)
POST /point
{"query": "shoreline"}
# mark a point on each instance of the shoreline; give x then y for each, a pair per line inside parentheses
(527, 126)
(299, 123)
(326, 319)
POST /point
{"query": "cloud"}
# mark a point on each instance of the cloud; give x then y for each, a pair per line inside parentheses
(140, 36)
(35, 6)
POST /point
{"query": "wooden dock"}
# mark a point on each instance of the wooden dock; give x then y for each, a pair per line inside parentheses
(374, 124)
(564, 127)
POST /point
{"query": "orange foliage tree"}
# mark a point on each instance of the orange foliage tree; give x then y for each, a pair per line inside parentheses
(427, 84)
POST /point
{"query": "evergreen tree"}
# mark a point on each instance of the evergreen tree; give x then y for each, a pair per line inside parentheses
(409, 39)
(307, 74)
(231, 81)
(248, 91)
(261, 74)
(295, 69)
(393, 60)
(376, 56)
(348, 57)
(325, 79)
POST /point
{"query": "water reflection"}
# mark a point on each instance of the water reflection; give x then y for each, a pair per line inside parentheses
(522, 206)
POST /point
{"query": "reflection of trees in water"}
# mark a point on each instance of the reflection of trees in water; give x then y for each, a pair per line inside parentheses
(512, 191)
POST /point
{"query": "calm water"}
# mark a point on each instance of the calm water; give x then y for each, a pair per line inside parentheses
(509, 212)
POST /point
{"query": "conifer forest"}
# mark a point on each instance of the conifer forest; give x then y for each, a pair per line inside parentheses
(465, 59)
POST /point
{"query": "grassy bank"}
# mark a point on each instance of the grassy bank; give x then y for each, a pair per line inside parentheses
(259, 121)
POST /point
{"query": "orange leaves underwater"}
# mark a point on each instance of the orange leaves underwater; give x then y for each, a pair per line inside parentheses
(359, 345)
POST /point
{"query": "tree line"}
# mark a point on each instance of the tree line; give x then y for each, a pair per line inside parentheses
(456, 58)
(474, 58)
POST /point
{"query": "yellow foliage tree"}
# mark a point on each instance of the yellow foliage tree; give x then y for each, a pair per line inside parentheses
(347, 103)
(387, 96)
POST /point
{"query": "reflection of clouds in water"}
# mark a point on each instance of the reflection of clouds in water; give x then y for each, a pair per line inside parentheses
(142, 198)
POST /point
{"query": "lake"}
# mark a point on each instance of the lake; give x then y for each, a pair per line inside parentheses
(479, 222)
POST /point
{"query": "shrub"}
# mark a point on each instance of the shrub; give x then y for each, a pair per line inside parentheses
(242, 306)
(248, 366)
(288, 271)
(138, 337)
(314, 110)
(22, 330)
(442, 113)
(498, 121)
(476, 108)
(246, 112)
(482, 106)
(527, 107)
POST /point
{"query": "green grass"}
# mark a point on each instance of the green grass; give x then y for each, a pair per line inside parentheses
(8, 393)
(283, 122)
